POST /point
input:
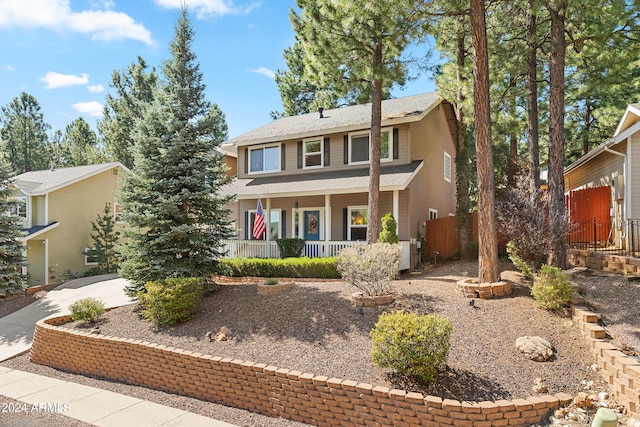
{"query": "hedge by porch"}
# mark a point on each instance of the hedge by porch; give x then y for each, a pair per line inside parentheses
(304, 267)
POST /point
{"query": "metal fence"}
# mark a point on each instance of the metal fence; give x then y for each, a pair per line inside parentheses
(617, 239)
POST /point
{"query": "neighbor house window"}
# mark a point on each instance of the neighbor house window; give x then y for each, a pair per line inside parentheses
(358, 220)
(433, 214)
(313, 153)
(117, 213)
(447, 167)
(264, 159)
(90, 256)
(20, 207)
(359, 146)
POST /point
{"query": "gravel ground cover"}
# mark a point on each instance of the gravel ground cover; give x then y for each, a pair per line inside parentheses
(315, 328)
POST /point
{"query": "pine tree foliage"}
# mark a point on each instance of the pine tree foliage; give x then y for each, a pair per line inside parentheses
(134, 88)
(105, 236)
(79, 146)
(11, 251)
(170, 200)
(23, 133)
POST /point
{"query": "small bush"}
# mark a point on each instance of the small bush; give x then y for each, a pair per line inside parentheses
(552, 288)
(371, 268)
(271, 281)
(290, 247)
(304, 267)
(412, 344)
(388, 232)
(87, 309)
(523, 266)
(171, 301)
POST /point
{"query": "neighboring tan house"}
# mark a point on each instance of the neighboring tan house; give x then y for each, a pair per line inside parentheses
(57, 207)
(311, 173)
(613, 165)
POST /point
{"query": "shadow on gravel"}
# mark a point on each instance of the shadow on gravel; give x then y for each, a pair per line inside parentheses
(453, 384)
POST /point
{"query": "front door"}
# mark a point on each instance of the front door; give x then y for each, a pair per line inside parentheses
(312, 225)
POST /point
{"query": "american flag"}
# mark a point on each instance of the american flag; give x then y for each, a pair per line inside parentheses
(258, 225)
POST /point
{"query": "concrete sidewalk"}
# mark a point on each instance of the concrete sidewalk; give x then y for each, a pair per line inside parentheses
(16, 329)
(92, 405)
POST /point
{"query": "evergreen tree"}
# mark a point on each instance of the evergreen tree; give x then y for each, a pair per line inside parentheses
(350, 43)
(79, 146)
(170, 201)
(105, 238)
(11, 254)
(23, 134)
(134, 89)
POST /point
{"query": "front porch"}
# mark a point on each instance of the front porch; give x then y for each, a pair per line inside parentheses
(238, 248)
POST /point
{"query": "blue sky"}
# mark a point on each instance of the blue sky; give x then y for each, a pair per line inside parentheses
(63, 53)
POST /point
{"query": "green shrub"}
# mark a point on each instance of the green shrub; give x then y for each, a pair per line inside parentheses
(304, 267)
(371, 268)
(388, 232)
(412, 344)
(271, 281)
(87, 309)
(172, 300)
(290, 247)
(518, 262)
(552, 288)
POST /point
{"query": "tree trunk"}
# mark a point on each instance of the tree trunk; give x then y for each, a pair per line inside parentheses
(373, 224)
(487, 237)
(587, 126)
(512, 165)
(558, 255)
(532, 89)
(462, 156)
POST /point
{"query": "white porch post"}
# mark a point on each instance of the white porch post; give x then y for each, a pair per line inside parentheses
(396, 209)
(46, 261)
(327, 221)
(267, 221)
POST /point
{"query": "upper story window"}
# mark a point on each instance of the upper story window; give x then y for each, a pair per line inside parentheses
(19, 208)
(313, 153)
(359, 146)
(264, 159)
(447, 167)
(118, 216)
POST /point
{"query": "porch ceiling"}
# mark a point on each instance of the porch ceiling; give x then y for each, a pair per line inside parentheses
(352, 180)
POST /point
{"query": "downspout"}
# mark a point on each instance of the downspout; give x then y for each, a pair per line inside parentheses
(626, 186)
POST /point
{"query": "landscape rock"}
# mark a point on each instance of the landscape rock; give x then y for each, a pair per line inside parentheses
(582, 400)
(538, 386)
(535, 348)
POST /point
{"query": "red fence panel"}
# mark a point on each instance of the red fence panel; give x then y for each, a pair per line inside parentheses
(590, 213)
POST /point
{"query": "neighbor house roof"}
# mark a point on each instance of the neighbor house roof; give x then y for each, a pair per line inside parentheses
(37, 183)
(353, 180)
(37, 230)
(394, 111)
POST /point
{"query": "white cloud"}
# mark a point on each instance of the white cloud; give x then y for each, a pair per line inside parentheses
(265, 72)
(100, 23)
(92, 108)
(56, 80)
(8, 67)
(207, 8)
(96, 88)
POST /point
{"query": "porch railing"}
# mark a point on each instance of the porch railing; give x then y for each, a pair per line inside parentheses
(616, 239)
(236, 248)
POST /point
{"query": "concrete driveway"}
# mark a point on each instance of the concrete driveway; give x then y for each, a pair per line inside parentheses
(16, 329)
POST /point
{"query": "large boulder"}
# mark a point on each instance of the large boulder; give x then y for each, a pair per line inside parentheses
(535, 348)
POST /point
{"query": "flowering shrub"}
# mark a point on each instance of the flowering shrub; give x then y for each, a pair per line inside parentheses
(412, 344)
(370, 268)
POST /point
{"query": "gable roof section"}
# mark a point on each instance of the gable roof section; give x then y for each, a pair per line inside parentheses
(630, 117)
(36, 183)
(353, 180)
(356, 117)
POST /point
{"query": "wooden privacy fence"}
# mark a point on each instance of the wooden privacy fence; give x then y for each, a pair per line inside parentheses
(590, 213)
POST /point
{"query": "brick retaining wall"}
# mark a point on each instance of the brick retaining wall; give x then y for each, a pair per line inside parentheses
(270, 390)
(620, 371)
(603, 261)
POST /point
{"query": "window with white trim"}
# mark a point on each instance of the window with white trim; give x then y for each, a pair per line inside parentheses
(274, 225)
(357, 223)
(117, 213)
(433, 214)
(359, 146)
(90, 256)
(447, 167)
(20, 207)
(313, 154)
(264, 159)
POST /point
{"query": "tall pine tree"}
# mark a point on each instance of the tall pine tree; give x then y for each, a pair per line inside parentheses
(11, 256)
(176, 218)
(105, 236)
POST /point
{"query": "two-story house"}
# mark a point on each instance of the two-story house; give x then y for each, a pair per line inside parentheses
(57, 207)
(311, 173)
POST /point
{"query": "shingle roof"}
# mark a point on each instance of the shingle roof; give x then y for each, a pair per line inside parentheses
(393, 177)
(397, 110)
(44, 181)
